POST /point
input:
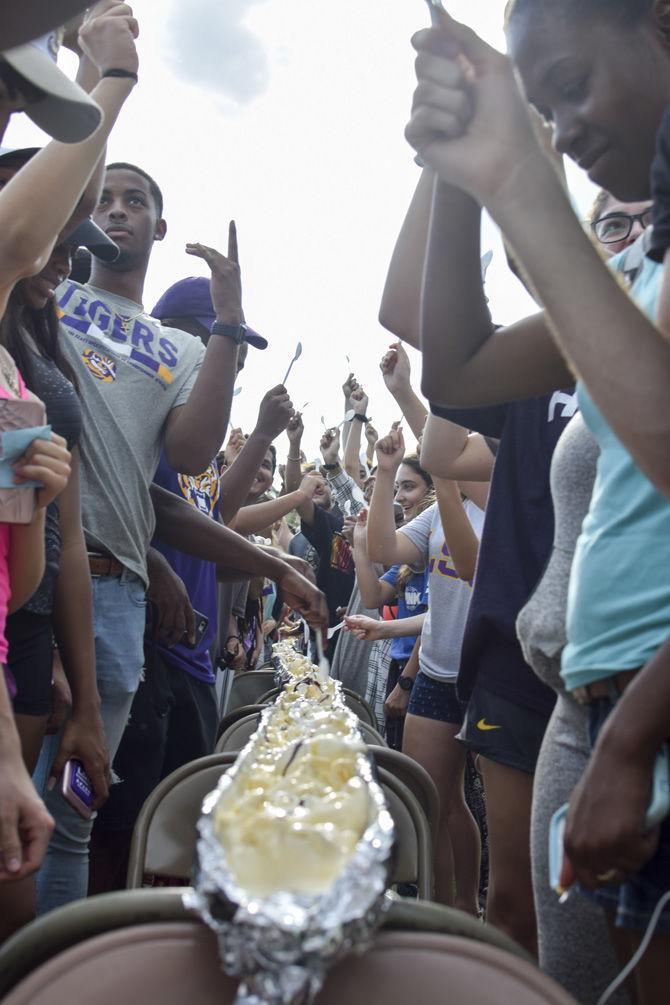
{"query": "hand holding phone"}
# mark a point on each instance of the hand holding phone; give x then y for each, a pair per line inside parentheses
(77, 788)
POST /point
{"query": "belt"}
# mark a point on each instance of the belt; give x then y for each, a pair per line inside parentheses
(104, 565)
(603, 688)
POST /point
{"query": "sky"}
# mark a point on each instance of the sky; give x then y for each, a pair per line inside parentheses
(288, 116)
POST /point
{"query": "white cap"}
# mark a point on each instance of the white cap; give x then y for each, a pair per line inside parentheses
(66, 113)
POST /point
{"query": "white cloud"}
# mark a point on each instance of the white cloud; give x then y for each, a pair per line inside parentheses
(209, 45)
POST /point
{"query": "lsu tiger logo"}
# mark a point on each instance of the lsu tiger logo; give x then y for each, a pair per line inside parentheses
(201, 491)
(100, 366)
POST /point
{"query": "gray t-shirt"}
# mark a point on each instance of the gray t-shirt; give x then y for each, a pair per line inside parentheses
(540, 625)
(448, 594)
(129, 381)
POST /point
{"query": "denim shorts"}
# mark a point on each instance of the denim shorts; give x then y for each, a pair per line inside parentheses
(435, 699)
(633, 902)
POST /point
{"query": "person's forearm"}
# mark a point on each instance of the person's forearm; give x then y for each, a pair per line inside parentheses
(465, 362)
(39, 200)
(10, 744)
(640, 722)
(25, 560)
(293, 473)
(257, 517)
(614, 348)
(412, 666)
(402, 628)
(183, 527)
(236, 481)
(352, 451)
(461, 540)
(382, 543)
(73, 625)
(195, 433)
(412, 408)
(368, 581)
(400, 310)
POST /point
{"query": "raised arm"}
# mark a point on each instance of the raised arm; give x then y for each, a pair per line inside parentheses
(385, 544)
(374, 591)
(352, 450)
(400, 310)
(496, 157)
(37, 203)
(273, 417)
(396, 371)
(461, 540)
(448, 451)
(258, 516)
(195, 431)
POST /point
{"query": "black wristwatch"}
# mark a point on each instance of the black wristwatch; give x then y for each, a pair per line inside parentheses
(405, 683)
(236, 332)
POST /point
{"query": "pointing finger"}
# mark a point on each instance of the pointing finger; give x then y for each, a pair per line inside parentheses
(232, 242)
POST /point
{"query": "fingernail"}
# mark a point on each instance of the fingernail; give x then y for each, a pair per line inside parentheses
(14, 865)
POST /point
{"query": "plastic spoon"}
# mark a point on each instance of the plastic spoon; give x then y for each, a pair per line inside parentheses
(435, 7)
(334, 630)
(236, 391)
(324, 665)
(296, 355)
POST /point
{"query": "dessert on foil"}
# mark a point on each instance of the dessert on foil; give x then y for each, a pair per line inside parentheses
(294, 843)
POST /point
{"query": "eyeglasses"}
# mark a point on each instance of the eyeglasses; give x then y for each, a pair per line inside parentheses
(615, 227)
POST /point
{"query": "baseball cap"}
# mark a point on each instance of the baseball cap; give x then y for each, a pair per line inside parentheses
(87, 234)
(66, 112)
(191, 298)
(21, 20)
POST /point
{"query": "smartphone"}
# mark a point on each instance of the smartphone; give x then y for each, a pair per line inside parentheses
(21, 422)
(658, 810)
(201, 626)
(77, 788)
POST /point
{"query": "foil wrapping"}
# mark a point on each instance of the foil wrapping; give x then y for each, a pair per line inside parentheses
(281, 946)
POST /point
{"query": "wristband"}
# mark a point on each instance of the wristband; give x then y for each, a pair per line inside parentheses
(330, 467)
(234, 332)
(298, 460)
(116, 71)
(361, 418)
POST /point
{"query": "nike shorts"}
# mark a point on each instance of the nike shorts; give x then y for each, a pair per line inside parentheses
(502, 730)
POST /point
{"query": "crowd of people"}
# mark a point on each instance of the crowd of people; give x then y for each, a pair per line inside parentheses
(496, 586)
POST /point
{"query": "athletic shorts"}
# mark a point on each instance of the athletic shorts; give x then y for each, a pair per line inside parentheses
(435, 699)
(30, 640)
(632, 903)
(503, 731)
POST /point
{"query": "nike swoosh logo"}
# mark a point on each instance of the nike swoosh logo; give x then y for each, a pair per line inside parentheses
(485, 727)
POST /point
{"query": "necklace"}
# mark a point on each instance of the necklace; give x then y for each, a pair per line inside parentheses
(126, 322)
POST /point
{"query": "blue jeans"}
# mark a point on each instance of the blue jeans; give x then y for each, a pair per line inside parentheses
(118, 625)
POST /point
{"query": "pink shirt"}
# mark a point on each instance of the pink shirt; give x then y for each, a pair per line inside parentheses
(5, 587)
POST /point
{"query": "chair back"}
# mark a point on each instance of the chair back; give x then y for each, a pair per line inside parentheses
(353, 701)
(235, 735)
(248, 686)
(176, 961)
(416, 778)
(165, 835)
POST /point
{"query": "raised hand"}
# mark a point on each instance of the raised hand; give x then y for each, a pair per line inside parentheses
(308, 486)
(349, 386)
(395, 367)
(295, 429)
(226, 280)
(108, 35)
(371, 435)
(361, 530)
(330, 446)
(275, 412)
(470, 122)
(359, 401)
(390, 451)
(234, 446)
